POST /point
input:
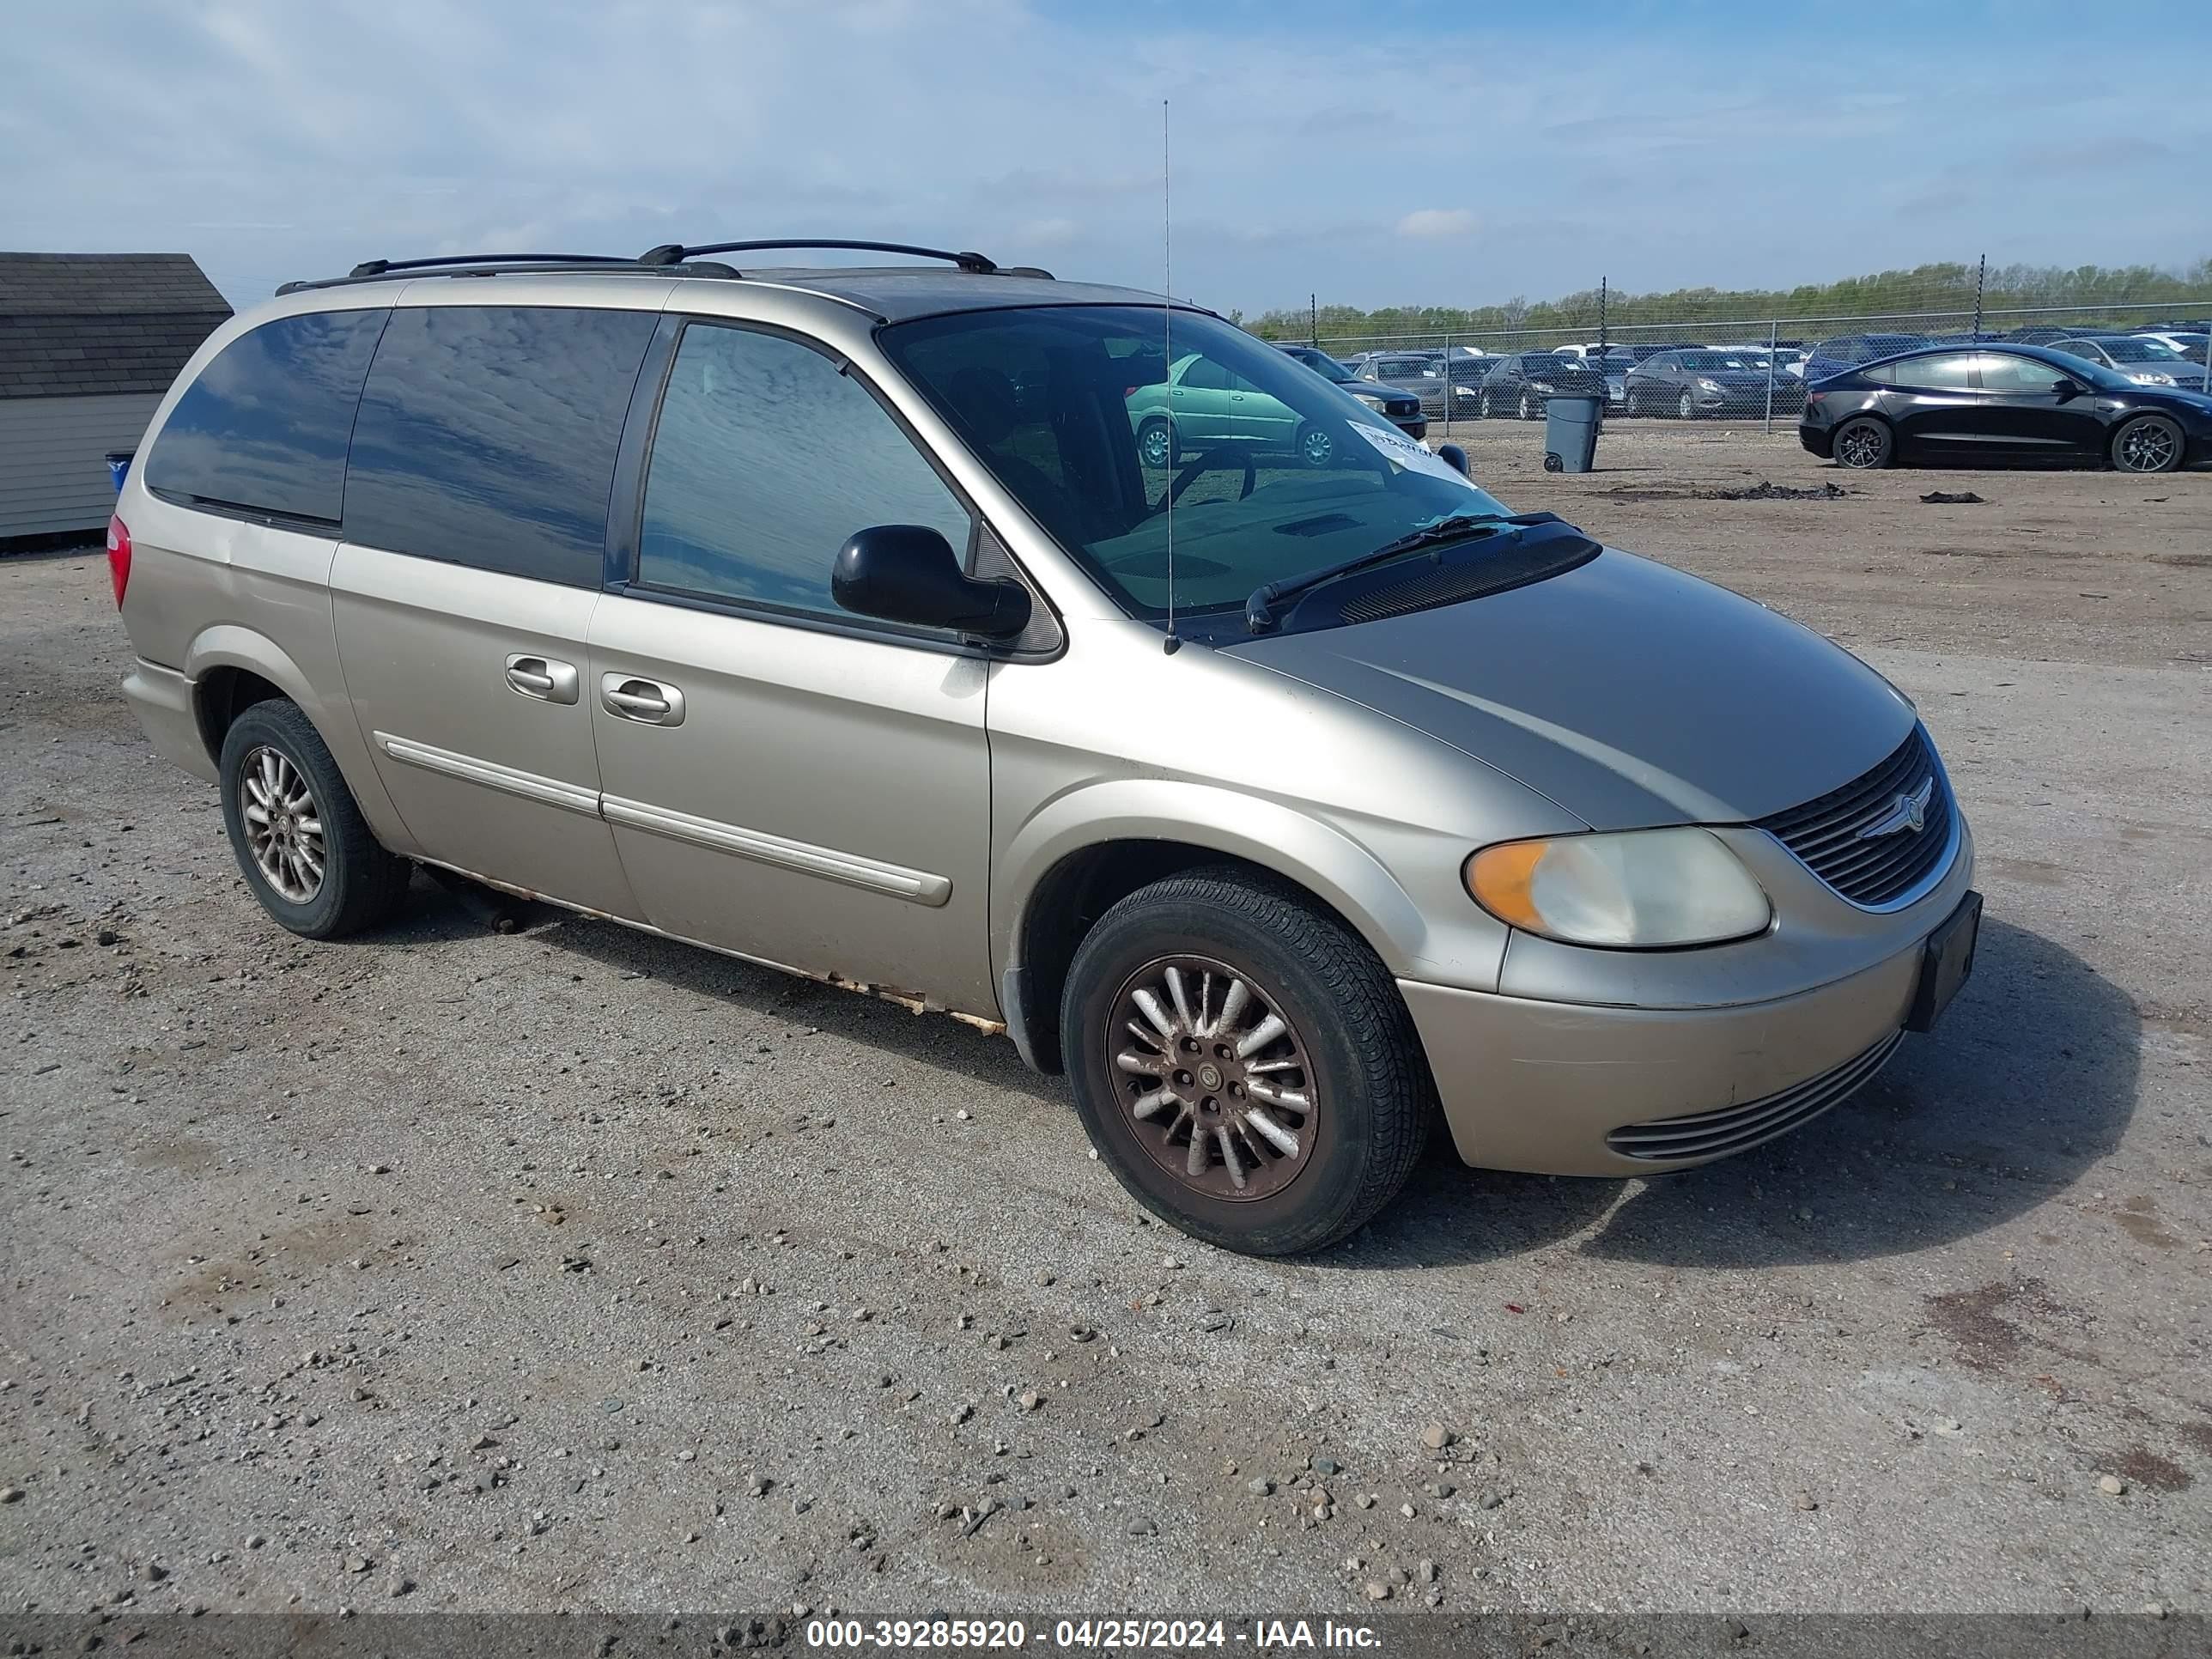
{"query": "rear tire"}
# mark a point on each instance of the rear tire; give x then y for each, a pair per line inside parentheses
(1332, 1115)
(1864, 444)
(301, 841)
(1315, 446)
(2148, 443)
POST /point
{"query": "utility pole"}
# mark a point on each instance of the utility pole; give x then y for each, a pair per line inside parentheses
(1981, 275)
(1313, 319)
(1601, 284)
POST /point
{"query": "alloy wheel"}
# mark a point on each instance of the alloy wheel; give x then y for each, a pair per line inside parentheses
(2147, 446)
(284, 825)
(1861, 446)
(1689, 407)
(1154, 444)
(1214, 1079)
(1317, 447)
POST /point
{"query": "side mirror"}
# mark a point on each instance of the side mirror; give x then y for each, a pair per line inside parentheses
(909, 573)
(2063, 388)
(1453, 456)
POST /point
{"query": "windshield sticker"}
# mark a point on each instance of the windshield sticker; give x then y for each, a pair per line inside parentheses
(1414, 457)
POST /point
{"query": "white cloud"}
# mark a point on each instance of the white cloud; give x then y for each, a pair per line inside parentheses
(1437, 223)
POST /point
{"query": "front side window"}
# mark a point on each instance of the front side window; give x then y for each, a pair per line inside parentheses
(2003, 371)
(263, 429)
(487, 436)
(768, 456)
(1295, 475)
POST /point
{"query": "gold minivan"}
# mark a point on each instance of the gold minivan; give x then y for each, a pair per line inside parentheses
(900, 627)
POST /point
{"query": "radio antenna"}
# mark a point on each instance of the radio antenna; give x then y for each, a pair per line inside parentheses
(1167, 345)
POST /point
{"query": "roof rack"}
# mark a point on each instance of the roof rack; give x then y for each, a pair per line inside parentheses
(673, 253)
(493, 264)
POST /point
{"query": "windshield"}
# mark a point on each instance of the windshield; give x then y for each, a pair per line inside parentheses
(1272, 471)
(2090, 373)
(2141, 351)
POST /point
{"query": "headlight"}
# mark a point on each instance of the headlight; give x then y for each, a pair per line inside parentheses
(1640, 887)
(1368, 399)
(2149, 378)
(1708, 385)
(1539, 385)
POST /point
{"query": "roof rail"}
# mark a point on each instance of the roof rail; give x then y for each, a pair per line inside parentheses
(670, 253)
(493, 264)
(379, 267)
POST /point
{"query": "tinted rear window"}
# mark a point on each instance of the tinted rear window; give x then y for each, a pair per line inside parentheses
(487, 436)
(264, 427)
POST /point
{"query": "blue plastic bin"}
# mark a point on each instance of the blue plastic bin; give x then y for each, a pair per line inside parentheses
(118, 467)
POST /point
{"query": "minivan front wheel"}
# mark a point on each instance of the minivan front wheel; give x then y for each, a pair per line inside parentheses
(1156, 442)
(300, 840)
(1244, 1063)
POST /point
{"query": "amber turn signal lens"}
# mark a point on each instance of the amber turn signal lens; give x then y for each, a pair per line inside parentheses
(1498, 878)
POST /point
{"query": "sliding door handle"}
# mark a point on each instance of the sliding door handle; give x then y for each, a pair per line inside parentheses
(543, 677)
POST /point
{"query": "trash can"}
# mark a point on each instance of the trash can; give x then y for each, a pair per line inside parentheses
(118, 467)
(1569, 433)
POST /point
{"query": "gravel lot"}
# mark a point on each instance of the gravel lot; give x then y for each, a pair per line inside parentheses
(449, 1268)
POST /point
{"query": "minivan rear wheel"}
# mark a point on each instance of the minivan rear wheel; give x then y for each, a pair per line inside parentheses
(1244, 1063)
(299, 837)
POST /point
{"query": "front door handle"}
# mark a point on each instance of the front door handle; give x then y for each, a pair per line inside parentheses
(541, 677)
(628, 697)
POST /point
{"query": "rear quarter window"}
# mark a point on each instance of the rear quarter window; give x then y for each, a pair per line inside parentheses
(487, 436)
(262, 429)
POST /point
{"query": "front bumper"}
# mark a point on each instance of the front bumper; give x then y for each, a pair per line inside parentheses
(161, 698)
(1540, 1086)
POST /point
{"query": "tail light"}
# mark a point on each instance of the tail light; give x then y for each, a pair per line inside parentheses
(119, 556)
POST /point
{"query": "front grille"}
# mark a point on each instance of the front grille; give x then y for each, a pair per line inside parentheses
(1738, 1129)
(1829, 833)
(1403, 406)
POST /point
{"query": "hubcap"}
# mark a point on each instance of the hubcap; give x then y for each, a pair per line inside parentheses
(1318, 448)
(1861, 447)
(284, 825)
(2147, 449)
(1213, 1078)
(1156, 446)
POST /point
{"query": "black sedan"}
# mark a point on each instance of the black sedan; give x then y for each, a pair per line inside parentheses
(1691, 384)
(2006, 402)
(1521, 383)
(1401, 408)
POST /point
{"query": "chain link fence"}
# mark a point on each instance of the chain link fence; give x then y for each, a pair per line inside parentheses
(1687, 355)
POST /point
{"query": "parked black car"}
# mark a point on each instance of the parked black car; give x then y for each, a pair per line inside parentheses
(1402, 408)
(2004, 402)
(1519, 383)
(1690, 384)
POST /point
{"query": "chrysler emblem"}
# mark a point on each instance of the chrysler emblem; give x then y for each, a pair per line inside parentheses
(1905, 812)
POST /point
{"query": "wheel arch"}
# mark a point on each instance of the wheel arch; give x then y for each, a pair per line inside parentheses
(1069, 865)
(232, 668)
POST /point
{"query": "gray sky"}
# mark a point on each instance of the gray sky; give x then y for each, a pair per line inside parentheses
(1377, 154)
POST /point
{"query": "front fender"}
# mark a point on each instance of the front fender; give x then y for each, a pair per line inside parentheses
(1298, 845)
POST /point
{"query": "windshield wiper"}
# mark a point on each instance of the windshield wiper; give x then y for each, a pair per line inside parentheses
(1259, 610)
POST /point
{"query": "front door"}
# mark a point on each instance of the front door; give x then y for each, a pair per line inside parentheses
(1935, 405)
(2023, 412)
(786, 780)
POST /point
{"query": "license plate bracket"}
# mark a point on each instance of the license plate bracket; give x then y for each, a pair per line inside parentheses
(1947, 958)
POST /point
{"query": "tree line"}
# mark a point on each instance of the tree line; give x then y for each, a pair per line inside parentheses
(1943, 287)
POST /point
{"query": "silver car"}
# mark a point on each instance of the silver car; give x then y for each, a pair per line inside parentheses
(1285, 796)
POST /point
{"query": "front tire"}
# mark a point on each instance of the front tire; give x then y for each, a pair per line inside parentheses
(1685, 407)
(2148, 443)
(1864, 445)
(299, 839)
(1244, 1063)
(1156, 443)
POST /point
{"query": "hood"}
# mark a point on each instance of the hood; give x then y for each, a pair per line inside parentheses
(1630, 694)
